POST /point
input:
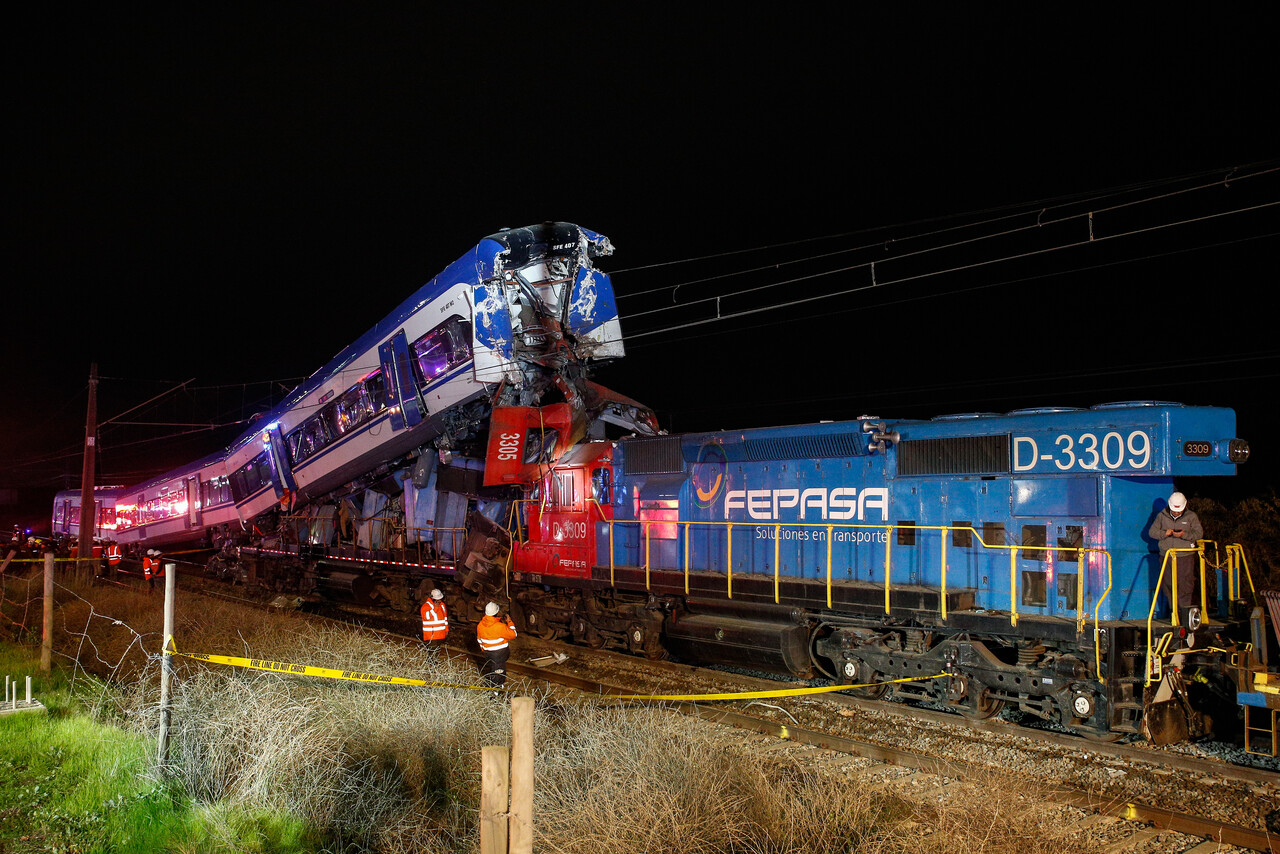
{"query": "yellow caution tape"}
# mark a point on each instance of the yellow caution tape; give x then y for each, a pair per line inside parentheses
(380, 679)
(323, 672)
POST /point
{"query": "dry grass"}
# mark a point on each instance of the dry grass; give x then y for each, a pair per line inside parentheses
(393, 769)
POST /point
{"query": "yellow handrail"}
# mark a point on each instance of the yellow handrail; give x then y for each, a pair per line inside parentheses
(1013, 587)
(687, 525)
(777, 549)
(830, 530)
(888, 540)
(944, 577)
(729, 565)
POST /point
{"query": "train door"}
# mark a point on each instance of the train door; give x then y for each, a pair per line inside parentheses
(403, 396)
(278, 456)
(1048, 516)
(193, 501)
(561, 541)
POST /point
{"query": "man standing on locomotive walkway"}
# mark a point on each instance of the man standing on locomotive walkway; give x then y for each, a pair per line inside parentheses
(435, 619)
(1176, 527)
(494, 635)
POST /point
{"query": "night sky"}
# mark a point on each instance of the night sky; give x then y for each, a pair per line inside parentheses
(231, 196)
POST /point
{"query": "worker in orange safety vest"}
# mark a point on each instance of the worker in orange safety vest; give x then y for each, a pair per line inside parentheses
(435, 619)
(152, 568)
(113, 557)
(494, 635)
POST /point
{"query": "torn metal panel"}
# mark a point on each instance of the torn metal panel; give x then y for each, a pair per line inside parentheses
(593, 315)
(493, 336)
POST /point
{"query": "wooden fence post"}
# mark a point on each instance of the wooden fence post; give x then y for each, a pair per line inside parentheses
(166, 661)
(46, 645)
(521, 824)
(494, 767)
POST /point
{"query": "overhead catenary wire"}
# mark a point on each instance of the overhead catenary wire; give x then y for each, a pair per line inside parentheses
(1039, 207)
(927, 275)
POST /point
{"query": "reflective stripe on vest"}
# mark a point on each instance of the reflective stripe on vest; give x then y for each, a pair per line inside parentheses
(435, 622)
(493, 634)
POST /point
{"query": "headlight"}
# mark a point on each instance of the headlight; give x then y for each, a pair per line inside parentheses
(1237, 451)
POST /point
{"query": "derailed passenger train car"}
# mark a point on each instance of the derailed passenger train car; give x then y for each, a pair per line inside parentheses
(514, 321)
(191, 503)
(1008, 551)
(67, 511)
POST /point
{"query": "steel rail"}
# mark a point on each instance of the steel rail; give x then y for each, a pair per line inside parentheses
(1159, 817)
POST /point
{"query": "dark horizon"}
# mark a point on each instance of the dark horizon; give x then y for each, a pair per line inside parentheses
(231, 199)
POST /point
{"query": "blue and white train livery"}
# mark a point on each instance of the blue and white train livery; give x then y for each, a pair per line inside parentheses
(513, 321)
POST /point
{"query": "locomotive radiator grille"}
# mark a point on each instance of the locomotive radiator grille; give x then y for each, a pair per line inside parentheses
(961, 455)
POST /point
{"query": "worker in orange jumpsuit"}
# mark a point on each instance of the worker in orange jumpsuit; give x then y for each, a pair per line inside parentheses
(494, 635)
(435, 619)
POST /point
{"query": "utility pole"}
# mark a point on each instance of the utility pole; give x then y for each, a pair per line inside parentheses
(89, 507)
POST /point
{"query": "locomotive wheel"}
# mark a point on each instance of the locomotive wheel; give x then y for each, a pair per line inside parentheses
(635, 639)
(863, 674)
(982, 706)
(538, 626)
(584, 634)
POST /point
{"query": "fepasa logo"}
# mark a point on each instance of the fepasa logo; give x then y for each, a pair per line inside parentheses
(841, 504)
(708, 474)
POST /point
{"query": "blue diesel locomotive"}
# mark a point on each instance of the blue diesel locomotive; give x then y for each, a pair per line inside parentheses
(1008, 551)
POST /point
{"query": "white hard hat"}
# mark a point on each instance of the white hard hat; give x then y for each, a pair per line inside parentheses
(437, 594)
(491, 610)
(1177, 502)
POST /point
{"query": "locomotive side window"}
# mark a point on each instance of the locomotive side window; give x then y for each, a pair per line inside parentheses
(1034, 536)
(1072, 538)
(1033, 588)
(445, 347)
(538, 446)
(1067, 589)
(993, 533)
(961, 536)
(906, 534)
(602, 486)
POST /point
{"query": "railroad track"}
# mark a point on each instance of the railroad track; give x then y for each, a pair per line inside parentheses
(1133, 821)
(934, 773)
